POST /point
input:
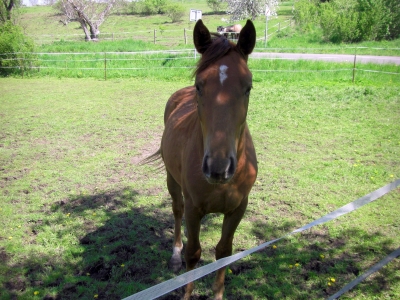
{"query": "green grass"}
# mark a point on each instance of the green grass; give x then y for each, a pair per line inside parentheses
(80, 218)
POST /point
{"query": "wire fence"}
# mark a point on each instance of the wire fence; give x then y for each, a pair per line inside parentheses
(130, 64)
(155, 36)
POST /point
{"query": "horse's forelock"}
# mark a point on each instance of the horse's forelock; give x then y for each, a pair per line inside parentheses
(218, 49)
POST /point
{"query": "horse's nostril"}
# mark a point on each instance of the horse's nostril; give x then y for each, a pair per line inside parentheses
(232, 167)
(218, 170)
(205, 167)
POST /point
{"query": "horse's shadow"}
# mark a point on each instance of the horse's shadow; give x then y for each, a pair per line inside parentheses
(128, 249)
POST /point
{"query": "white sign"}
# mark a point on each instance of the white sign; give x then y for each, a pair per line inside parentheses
(195, 15)
(267, 11)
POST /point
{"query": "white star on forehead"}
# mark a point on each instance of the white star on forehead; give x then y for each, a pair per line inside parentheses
(222, 73)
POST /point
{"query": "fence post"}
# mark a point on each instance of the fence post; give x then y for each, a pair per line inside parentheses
(266, 32)
(155, 36)
(105, 65)
(354, 65)
(279, 26)
(21, 65)
(184, 35)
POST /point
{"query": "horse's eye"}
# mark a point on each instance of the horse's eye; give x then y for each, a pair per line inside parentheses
(198, 91)
(247, 93)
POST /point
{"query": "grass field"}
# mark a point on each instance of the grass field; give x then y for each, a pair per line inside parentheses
(42, 24)
(81, 220)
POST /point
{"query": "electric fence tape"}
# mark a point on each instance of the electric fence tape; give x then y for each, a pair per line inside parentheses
(181, 280)
(371, 270)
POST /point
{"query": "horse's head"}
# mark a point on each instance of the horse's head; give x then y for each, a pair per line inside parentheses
(220, 29)
(223, 83)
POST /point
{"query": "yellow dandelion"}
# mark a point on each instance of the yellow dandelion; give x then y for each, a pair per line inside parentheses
(68, 214)
(297, 265)
(322, 256)
(355, 165)
(96, 296)
(291, 266)
(122, 265)
(372, 177)
(94, 214)
(274, 247)
(229, 271)
(391, 175)
(333, 279)
(36, 293)
(10, 237)
(329, 284)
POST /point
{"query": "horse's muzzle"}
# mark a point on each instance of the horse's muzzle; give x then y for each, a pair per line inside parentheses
(218, 170)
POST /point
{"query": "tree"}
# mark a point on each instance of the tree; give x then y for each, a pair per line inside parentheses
(240, 10)
(89, 13)
(6, 8)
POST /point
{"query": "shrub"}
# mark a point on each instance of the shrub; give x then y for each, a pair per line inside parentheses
(15, 49)
(215, 5)
(305, 14)
(394, 16)
(175, 11)
(339, 21)
(152, 7)
(350, 20)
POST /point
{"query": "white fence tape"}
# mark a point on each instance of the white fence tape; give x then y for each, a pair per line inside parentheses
(371, 270)
(181, 280)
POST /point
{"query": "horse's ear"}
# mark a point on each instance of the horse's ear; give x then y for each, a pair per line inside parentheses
(247, 38)
(201, 37)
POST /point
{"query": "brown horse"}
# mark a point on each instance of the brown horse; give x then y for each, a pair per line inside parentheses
(207, 148)
(233, 30)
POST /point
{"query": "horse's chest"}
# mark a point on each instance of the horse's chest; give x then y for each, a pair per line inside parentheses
(216, 198)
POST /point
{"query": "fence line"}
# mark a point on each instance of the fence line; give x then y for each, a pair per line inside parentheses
(114, 61)
(190, 276)
(154, 35)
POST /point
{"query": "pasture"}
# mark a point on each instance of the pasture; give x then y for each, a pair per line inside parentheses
(81, 220)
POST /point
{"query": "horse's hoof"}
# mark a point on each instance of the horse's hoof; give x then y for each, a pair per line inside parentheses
(175, 263)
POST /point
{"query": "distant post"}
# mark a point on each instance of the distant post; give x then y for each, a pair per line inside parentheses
(195, 15)
(267, 14)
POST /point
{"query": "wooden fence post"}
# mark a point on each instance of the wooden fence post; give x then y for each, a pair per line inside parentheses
(184, 35)
(105, 65)
(354, 65)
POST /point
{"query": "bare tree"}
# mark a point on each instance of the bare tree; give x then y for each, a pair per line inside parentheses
(89, 13)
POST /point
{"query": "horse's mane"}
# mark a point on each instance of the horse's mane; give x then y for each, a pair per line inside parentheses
(219, 47)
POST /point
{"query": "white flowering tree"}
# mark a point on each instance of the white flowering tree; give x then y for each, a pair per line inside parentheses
(240, 10)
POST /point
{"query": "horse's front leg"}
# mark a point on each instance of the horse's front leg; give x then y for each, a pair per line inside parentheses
(224, 247)
(193, 248)
(175, 191)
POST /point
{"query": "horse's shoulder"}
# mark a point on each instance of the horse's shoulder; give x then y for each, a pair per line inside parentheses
(179, 99)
